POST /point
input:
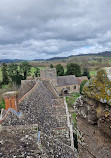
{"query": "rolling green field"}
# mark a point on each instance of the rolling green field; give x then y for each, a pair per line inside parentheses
(33, 69)
(93, 73)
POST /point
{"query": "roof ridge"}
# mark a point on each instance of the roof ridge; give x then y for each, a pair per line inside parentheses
(28, 92)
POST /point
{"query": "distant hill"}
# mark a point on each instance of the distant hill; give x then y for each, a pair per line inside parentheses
(56, 58)
(38, 59)
(11, 60)
(104, 54)
(101, 54)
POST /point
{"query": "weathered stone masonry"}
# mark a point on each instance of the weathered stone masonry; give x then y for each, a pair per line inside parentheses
(94, 117)
(42, 110)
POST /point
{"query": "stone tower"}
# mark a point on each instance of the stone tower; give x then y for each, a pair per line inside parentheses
(49, 74)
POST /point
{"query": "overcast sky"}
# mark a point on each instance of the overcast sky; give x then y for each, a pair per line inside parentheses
(32, 29)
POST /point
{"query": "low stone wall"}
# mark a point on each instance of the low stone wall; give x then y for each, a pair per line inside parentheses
(59, 89)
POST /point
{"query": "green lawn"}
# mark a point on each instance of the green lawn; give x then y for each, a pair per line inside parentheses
(33, 69)
(70, 100)
(65, 70)
(93, 73)
(74, 119)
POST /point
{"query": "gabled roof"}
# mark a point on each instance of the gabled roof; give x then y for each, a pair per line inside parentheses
(66, 80)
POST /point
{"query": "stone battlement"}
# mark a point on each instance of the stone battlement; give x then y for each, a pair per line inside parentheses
(94, 116)
(99, 88)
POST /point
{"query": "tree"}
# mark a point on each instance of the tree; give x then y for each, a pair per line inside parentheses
(60, 70)
(82, 85)
(17, 78)
(73, 69)
(4, 74)
(25, 69)
(14, 74)
(12, 70)
(86, 73)
(51, 66)
(37, 72)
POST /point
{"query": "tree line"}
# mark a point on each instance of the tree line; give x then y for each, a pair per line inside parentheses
(14, 74)
(72, 69)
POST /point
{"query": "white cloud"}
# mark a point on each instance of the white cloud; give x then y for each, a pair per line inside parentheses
(32, 29)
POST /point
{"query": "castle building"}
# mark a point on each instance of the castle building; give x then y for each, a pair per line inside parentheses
(63, 84)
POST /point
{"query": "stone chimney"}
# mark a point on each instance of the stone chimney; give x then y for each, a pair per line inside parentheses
(11, 100)
(94, 117)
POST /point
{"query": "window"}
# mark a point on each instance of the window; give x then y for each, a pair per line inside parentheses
(74, 87)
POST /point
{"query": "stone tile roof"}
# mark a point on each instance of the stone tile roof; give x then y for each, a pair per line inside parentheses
(50, 87)
(44, 108)
(37, 108)
(80, 79)
(66, 80)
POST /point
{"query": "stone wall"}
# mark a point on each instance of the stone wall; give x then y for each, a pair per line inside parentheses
(71, 88)
(94, 117)
(49, 74)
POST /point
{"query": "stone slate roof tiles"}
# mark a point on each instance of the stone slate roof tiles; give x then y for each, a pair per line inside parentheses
(80, 79)
(66, 80)
(38, 108)
(50, 87)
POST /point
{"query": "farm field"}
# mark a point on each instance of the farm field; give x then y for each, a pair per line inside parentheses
(33, 69)
(93, 73)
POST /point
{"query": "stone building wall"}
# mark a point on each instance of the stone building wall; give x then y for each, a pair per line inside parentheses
(94, 117)
(49, 74)
(71, 90)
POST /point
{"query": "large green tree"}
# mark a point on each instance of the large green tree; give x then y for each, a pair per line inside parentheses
(12, 70)
(37, 72)
(73, 69)
(60, 70)
(25, 69)
(86, 72)
(14, 74)
(51, 66)
(5, 79)
(17, 78)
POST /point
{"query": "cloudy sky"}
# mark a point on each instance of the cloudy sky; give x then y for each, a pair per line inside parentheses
(35, 29)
